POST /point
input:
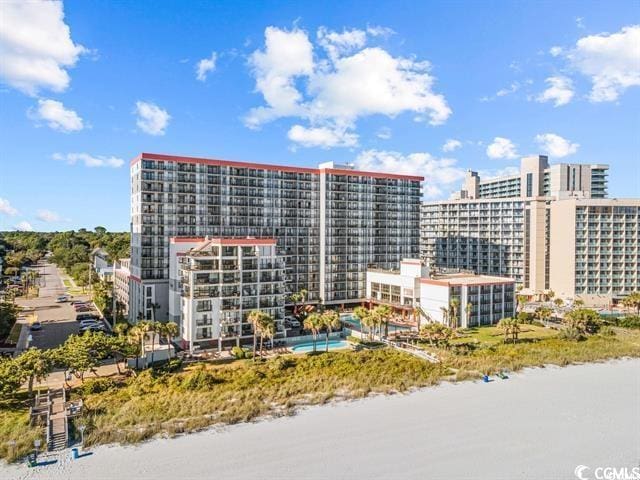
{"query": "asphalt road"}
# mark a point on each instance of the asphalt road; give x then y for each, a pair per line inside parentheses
(58, 319)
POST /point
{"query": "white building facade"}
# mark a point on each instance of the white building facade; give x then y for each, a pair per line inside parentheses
(480, 299)
(217, 283)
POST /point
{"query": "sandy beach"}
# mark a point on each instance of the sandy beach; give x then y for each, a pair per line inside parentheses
(538, 424)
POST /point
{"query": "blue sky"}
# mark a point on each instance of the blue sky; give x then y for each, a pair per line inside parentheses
(86, 86)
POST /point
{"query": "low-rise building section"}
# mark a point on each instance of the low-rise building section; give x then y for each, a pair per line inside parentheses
(121, 285)
(459, 299)
(102, 265)
(216, 283)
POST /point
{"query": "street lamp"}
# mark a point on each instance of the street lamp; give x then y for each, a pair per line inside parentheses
(36, 444)
(82, 428)
(12, 447)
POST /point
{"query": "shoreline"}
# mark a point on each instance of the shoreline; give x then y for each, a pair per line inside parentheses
(328, 420)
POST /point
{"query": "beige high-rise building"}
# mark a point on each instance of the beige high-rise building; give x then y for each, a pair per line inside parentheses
(549, 227)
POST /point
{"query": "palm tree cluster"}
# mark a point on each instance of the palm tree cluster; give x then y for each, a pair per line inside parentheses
(316, 321)
(437, 334)
(543, 314)
(139, 332)
(450, 313)
(263, 326)
(375, 319)
(583, 321)
(632, 301)
(511, 328)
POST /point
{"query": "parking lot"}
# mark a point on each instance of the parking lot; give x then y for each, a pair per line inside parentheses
(57, 319)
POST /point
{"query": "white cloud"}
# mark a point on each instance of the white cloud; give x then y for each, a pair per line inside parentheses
(379, 31)
(440, 173)
(7, 208)
(23, 226)
(56, 116)
(501, 148)
(337, 44)
(36, 46)
(48, 216)
(205, 66)
(580, 22)
(151, 118)
(451, 145)
(555, 51)
(612, 61)
(287, 55)
(560, 91)
(514, 87)
(384, 133)
(324, 137)
(555, 145)
(349, 82)
(89, 160)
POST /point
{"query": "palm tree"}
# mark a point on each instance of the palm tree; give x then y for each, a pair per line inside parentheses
(313, 323)
(144, 327)
(383, 313)
(543, 314)
(454, 304)
(505, 325)
(170, 330)
(267, 329)
(445, 315)
(331, 321)
(468, 308)
(254, 319)
(363, 314)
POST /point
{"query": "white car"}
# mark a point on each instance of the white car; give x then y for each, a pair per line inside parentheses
(90, 322)
(62, 299)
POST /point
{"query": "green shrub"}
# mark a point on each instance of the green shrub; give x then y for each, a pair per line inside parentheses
(631, 321)
(240, 353)
(282, 363)
(199, 379)
(570, 333)
(607, 331)
(97, 385)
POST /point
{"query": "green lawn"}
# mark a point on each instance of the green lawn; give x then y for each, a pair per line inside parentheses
(14, 334)
(487, 336)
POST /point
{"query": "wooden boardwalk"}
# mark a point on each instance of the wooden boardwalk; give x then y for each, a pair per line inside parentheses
(412, 350)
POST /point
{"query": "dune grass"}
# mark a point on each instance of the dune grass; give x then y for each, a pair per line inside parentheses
(14, 427)
(204, 395)
(201, 395)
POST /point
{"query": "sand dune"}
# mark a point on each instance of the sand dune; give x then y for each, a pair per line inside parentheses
(539, 424)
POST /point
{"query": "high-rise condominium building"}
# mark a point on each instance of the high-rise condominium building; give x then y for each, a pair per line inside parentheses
(330, 222)
(516, 226)
(220, 282)
(539, 179)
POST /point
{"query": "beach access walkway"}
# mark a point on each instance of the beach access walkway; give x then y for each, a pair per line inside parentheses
(411, 350)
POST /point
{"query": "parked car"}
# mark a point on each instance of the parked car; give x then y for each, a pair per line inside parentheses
(35, 326)
(87, 316)
(291, 322)
(63, 298)
(83, 308)
(93, 328)
(89, 321)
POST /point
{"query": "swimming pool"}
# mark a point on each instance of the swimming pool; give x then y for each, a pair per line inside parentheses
(320, 345)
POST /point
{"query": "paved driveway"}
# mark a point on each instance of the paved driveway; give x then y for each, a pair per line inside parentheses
(58, 319)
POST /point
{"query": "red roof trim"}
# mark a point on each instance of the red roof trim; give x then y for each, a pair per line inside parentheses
(135, 279)
(263, 166)
(359, 173)
(187, 239)
(213, 161)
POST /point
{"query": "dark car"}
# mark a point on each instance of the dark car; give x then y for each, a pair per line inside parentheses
(35, 326)
(87, 316)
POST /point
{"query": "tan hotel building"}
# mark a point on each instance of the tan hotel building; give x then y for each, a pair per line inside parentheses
(549, 228)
